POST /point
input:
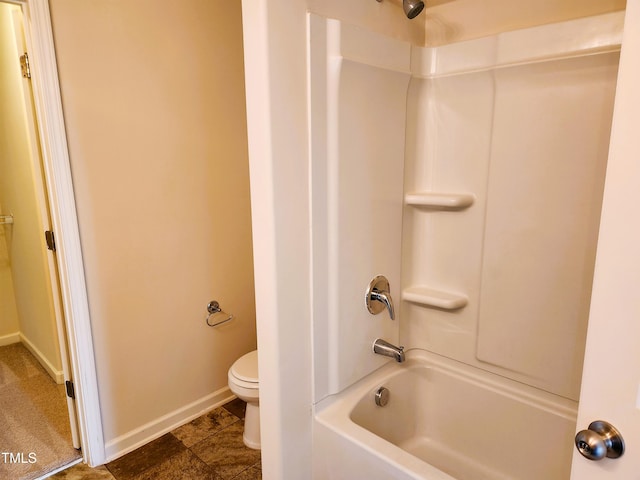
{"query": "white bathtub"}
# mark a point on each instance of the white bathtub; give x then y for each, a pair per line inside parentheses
(444, 420)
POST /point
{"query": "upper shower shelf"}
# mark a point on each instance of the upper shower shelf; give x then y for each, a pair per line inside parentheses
(442, 201)
(429, 297)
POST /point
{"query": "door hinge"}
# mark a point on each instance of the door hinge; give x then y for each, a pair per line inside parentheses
(24, 65)
(71, 393)
(50, 239)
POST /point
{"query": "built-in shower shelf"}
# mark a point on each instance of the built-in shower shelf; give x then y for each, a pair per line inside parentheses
(448, 201)
(434, 298)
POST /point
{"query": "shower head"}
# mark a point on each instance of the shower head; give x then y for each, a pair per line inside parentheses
(412, 8)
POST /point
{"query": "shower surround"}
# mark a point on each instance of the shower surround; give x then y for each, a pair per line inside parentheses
(471, 176)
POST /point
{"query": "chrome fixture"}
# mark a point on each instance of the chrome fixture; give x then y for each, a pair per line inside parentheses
(382, 397)
(382, 347)
(6, 219)
(378, 297)
(213, 307)
(412, 8)
(600, 440)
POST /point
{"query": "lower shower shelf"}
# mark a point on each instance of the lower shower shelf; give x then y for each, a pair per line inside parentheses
(434, 298)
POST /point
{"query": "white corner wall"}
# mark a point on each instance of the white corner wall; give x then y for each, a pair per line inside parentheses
(275, 48)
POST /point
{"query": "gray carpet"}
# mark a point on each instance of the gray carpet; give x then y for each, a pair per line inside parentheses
(35, 436)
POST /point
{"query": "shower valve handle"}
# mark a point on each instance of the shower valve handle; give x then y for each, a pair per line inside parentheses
(378, 297)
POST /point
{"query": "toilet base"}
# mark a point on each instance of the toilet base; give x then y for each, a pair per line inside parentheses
(251, 435)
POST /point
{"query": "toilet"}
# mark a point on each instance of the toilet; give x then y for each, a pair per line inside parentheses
(243, 382)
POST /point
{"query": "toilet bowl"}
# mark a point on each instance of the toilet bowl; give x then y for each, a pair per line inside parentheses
(243, 382)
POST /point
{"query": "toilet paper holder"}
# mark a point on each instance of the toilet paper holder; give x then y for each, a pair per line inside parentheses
(213, 307)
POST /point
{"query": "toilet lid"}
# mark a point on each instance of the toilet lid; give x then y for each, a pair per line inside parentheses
(246, 367)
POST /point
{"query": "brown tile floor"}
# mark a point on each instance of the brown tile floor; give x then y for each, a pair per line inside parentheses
(208, 448)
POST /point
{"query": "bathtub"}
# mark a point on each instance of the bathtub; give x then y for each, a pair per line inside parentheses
(443, 420)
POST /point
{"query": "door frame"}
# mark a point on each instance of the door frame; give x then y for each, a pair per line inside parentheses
(45, 224)
(64, 220)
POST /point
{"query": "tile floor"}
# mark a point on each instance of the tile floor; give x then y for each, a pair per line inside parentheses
(208, 448)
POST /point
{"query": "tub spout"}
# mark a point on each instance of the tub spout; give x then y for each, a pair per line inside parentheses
(382, 347)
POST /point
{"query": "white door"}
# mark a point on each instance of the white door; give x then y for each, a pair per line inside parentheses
(611, 378)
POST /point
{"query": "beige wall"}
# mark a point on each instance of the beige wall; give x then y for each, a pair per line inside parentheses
(385, 17)
(449, 21)
(9, 325)
(153, 97)
(21, 193)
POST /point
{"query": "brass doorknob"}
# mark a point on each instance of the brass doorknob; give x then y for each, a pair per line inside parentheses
(600, 440)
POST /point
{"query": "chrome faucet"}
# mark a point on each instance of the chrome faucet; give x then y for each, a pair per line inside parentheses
(382, 347)
(378, 297)
(384, 297)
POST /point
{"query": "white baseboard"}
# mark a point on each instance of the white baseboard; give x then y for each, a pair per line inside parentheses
(9, 339)
(150, 431)
(57, 375)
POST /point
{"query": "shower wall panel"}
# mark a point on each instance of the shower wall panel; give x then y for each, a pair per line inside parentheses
(503, 281)
(358, 102)
(549, 149)
(448, 146)
(497, 149)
